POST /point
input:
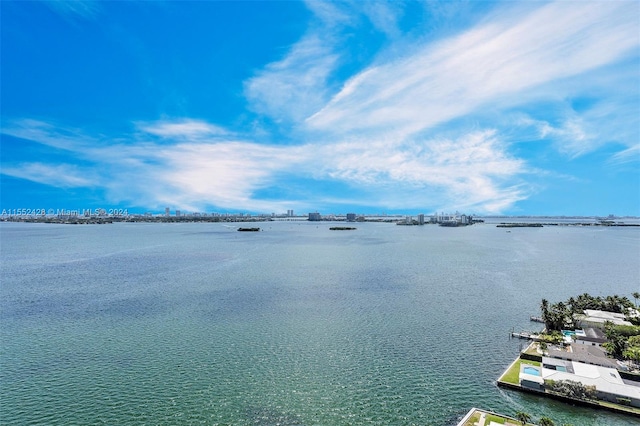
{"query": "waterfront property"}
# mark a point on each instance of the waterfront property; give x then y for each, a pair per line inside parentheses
(593, 355)
(606, 387)
(531, 377)
(597, 319)
(608, 384)
(591, 337)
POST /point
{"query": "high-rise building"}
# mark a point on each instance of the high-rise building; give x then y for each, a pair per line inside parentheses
(314, 217)
(167, 211)
(351, 217)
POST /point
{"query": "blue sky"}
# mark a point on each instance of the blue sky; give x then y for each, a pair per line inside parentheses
(364, 106)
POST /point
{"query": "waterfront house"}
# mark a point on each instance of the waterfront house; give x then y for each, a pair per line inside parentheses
(592, 337)
(608, 384)
(593, 355)
(531, 377)
(596, 319)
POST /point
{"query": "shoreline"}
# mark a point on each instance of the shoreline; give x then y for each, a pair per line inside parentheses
(596, 404)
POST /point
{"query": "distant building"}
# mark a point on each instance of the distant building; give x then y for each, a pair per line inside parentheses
(420, 219)
(314, 217)
(351, 217)
(177, 213)
(290, 213)
(167, 211)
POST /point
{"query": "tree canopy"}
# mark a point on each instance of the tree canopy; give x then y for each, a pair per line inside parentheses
(563, 314)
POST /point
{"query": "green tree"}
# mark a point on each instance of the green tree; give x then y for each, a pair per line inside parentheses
(523, 417)
(632, 353)
(571, 389)
(636, 296)
(632, 350)
(543, 346)
(618, 337)
(557, 315)
(544, 309)
(546, 421)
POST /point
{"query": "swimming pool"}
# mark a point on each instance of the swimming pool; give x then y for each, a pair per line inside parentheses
(576, 332)
(531, 370)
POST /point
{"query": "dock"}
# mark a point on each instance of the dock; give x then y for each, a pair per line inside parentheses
(526, 335)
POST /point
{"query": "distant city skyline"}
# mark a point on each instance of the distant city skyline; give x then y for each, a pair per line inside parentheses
(366, 107)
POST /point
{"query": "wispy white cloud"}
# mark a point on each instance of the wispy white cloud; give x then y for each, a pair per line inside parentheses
(627, 156)
(331, 13)
(300, 83)
(57, 175)
(224, 174)
(44, 133)
(471, 170)
(228, 173)
(184, 129)
(75, 8)
(386, 134)
(296, 86)
(481, 67)
(612, 120)
(572, 137)
(383, 15)
(186, 168)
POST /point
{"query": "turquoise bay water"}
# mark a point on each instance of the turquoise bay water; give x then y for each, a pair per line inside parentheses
(295, 325)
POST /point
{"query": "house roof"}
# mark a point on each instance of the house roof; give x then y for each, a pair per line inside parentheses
(592, 335)
(592, 316)
(586, 354)
(603, 314)
(606, 380)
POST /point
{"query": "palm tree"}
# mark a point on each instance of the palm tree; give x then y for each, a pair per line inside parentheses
(523, 417)
(546, 421)
(544, 308)
(636, 295)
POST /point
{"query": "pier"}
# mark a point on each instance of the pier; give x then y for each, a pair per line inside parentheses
(526, 335)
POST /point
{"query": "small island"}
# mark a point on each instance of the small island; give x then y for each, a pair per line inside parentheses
(248, 229)
(342, 228)
(519, 225)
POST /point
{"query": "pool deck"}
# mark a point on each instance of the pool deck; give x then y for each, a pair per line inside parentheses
(600, 405)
